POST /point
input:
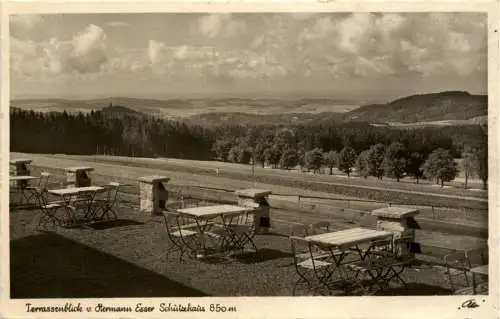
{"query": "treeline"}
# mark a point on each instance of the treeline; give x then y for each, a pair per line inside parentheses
(373, 151)
(102, 133)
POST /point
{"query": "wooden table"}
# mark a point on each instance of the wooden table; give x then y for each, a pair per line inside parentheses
(209, 212)
(339, 243)
(349, 237)
(22, 178)
(479, 270)
(204, 214)
(70, 195)
(22, 183)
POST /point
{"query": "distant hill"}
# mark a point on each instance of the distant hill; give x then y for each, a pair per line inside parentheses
(444, 106)
(119, 110)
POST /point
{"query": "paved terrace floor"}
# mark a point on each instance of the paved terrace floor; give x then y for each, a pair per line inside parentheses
(127, 258)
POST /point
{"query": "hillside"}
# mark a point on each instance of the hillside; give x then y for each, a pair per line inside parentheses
(444, 106)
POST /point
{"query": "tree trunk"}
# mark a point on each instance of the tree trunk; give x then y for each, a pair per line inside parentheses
(331, 170)
(442, 183)
(417, 179)
(466, 179)
(485, 184)
(397, 179)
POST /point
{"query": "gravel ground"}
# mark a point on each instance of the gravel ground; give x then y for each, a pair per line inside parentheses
(127, 258)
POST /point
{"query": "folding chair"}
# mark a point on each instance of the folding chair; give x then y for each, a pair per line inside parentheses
(307, 267)
(181, 233)
(48, 210)
(374, 265)
(458, 273)
(107, 205)
(30, 193)
(242, 232)
(478, 257)
(403, 257)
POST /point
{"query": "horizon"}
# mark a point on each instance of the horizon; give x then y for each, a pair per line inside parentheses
(349, 56)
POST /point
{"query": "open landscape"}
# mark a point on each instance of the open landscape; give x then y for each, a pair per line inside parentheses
(236, 165)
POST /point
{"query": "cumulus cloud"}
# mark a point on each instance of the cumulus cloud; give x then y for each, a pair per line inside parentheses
(220, 25)
(118, 23)
(326, 46)
(84, 53)
(25, 21)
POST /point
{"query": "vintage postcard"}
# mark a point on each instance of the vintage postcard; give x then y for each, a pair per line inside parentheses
(249, 160)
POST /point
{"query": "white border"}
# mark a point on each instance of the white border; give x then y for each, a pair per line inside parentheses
(268, 307)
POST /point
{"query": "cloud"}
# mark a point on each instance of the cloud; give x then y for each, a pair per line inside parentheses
(312, 46)
(84, 53)
(25, 21)
(118, 23)
(220, 25)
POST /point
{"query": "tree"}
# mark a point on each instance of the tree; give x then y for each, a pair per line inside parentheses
(375, 160)
(288, 159)
(272, 156)
(468, 161)
(362, 164)
(481, 163)
(346, 160)
(233, 154)
(330, 160)
(314, 159)
(441, 166)
(414, 165)
(395, 161)
(258, 153)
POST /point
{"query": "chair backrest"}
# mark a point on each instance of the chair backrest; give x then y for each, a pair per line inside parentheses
(320, 227)
(295, 242)
(299, 230)
(477, 257)
(382, 248)
(368, 221)
(113, 191)
(44, 180)
(457, 270)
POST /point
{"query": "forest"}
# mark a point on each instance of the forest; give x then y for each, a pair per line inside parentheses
(423, 152)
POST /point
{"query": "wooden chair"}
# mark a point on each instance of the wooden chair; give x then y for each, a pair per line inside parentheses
(309, 270)
(478, 257)
(48, 211)
(457, 269)
(33, 191)
(107, 205)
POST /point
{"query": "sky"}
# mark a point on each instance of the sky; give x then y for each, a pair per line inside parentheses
(162, 55)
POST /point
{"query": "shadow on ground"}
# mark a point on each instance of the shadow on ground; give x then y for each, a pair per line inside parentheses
(417, 289)
(262, 255)
(114, 223)
(52, 266)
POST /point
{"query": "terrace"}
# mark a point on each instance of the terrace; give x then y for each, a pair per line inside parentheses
(127, 257)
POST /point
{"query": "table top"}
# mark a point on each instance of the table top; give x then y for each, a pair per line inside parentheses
(20, 160)
(79, 168)
(349, 236)
(395, 212)
(483, 270)
(76, 190)
(22, 178)
(215, 210)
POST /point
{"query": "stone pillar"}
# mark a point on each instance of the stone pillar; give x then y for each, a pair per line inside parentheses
(256, 198)
(153, 194)
(78, 177)
(19, 167)
(396, 220)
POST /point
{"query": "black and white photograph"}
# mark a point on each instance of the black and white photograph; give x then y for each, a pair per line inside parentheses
(256, 154)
